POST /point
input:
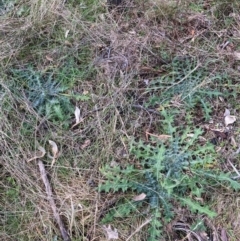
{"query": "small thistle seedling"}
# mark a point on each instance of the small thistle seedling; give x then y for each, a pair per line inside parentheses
(45, 94)
(185, 78)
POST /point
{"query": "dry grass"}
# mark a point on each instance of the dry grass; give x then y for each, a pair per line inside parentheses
(17, 31)
(125, 48)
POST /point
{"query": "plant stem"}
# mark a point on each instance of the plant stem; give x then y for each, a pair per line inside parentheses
(49, 192)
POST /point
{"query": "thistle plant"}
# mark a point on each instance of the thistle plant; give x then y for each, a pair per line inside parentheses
(173, 171)
(45, 93)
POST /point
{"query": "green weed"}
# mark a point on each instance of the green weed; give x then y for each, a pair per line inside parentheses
(11, 210)
(188, 81)
(184, 77)
(49, 93)
(89, 9)
(45, 94)
(176, 171)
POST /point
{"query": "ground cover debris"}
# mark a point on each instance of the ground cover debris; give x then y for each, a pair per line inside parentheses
(131, 111)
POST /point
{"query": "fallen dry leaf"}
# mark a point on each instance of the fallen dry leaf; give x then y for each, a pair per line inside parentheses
(66, 33)
(54, 148)
(229, 119)
(111, 233)
(139, 197)
(221, 98)
(159, 137)
(218, 149)
(77, 115)
(78, 118)
(49, 58)
(53, 162)
(227, 112)
(54, 151)
(39, 155)
(85, 144)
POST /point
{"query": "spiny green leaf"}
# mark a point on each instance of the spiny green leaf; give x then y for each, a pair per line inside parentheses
(81, 97)
(194, 206)
(221, 177)
(234, 184)
(121, 211)
(155, 227)
(118, 185)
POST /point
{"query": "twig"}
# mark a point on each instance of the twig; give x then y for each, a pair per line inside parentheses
(146, 109)
(188, 231)
(52, 203)
(40, 156)
(234, 168)
(133, 105)
(139, 228)
(185, 77)
(237, 151)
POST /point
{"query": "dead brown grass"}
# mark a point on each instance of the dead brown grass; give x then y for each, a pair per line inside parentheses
(16, 31)
(227, 205)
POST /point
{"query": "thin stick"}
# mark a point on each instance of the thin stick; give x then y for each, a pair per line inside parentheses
(188, 231)
(51, 201)
(234, 168)
(139, 228)
(185, 77)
